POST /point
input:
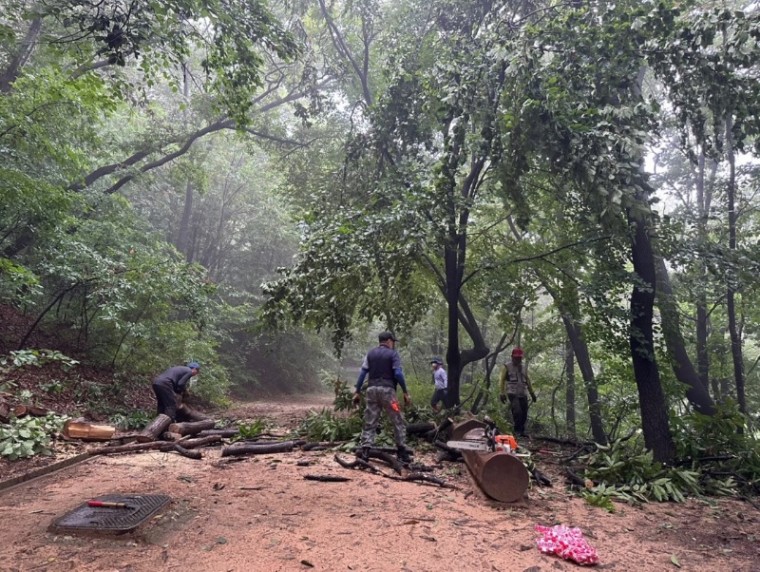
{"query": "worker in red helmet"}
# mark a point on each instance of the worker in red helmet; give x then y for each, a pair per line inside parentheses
(515, 385)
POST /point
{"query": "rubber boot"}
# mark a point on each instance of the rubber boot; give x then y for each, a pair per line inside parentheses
(403, 455)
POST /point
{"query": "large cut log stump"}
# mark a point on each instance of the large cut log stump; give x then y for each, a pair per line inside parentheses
(459, 430)
(191, 427)
(154, 428)
(500, 475)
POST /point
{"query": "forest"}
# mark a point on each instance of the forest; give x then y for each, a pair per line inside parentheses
(263, 186)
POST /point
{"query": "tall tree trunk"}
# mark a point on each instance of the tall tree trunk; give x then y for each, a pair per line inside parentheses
(654, 411)
(570, 389)
(697, 393)
(21, 56)
(575, 334)
(733, 329)
(453, 355)
(704, 201)
(183, 236)
(567, 305)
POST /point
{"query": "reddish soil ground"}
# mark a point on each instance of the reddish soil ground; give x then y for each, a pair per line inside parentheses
(259, 513)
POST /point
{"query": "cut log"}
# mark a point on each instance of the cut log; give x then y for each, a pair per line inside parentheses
(260, 448)
(154, 428)
(85, 431)
(191, 427)
(24, 410)
(169, 436)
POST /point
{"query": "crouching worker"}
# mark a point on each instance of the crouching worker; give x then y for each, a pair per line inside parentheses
(383, 367)
(171, 384)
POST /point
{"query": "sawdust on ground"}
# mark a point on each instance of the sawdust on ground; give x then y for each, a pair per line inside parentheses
(260, 514)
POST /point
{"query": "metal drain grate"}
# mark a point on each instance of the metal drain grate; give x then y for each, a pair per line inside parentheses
(107, 520)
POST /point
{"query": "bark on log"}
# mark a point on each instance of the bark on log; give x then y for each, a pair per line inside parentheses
(169, 436)
(154, 428)
(5, 412)
(501, 476)
(224, 433)
(260, 448)
(191, 427)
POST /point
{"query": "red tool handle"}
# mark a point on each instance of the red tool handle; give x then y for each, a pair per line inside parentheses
(107, 504)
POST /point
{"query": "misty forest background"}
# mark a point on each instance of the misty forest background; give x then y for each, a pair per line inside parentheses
(263, 186)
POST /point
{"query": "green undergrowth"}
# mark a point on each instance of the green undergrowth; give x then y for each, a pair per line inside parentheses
(717, 456)
(29, 436)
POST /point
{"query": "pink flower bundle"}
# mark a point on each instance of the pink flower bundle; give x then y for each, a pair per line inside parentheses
(568, 543)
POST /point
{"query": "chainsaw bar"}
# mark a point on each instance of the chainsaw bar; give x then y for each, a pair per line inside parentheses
(468, 445)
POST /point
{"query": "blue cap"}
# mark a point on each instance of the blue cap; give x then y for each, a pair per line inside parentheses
(194, 365)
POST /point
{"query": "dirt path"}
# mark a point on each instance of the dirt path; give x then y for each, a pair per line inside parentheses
(260, 514)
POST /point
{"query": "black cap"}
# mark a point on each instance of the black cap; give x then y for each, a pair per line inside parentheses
(437, 360)
(385, 336)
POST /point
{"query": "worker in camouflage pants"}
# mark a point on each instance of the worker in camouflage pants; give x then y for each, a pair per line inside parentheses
(383, 367)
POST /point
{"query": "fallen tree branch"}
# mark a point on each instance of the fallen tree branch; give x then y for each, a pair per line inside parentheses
(202, 442)
(411, 477)
(224, 433)
(260, 448)
(326, 478)
(196, 455)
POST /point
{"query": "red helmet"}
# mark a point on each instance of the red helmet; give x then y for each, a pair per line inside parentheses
(517, 352)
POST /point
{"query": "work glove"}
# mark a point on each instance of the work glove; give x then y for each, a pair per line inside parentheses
(503, 398)
(357, 398)
(533, 397)
(407, 399)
